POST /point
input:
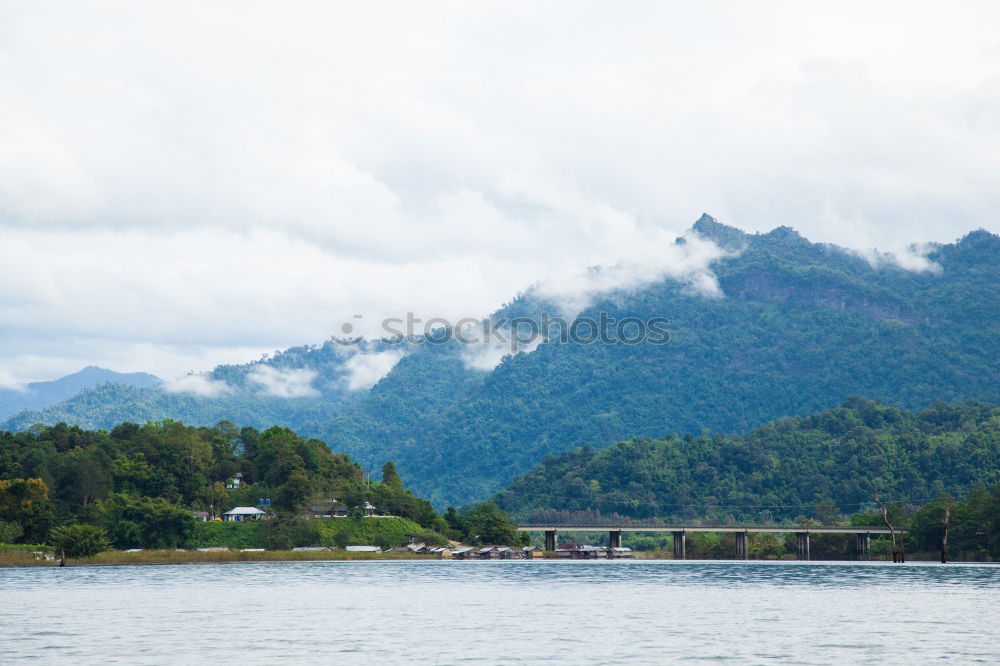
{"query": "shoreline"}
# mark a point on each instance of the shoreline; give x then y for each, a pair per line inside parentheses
(158, 557)
(168, 557)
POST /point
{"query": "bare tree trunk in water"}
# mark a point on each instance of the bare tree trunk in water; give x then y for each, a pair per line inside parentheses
(944, 538)
(885, 519)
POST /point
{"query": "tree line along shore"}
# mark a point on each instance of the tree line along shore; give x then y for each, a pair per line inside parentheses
(164, 487)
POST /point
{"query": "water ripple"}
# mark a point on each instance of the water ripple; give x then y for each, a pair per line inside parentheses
(456, 612)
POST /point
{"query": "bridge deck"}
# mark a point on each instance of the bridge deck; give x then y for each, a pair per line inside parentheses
(787, 529)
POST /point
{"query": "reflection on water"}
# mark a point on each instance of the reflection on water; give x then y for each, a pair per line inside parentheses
(455, 612)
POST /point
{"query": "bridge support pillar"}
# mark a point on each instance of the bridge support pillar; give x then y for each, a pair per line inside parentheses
(551, 541)
(863, 545)
(680, 549)
(615, 539)
(802, 545)
(742, 545)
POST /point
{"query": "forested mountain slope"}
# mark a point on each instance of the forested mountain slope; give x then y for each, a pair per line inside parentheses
(798, 326)
(779, 471)
(300, 386)
(38, 395)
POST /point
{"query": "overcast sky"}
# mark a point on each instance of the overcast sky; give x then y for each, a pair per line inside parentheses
(189, 183)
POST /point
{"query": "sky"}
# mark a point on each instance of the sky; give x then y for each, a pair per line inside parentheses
(184, 184)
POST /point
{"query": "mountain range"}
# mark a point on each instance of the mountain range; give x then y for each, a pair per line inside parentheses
(786, 327)
(38, 395)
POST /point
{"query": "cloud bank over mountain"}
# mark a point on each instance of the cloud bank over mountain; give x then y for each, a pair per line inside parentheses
(169, 208)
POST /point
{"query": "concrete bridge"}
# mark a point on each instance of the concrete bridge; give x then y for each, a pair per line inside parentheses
(862, 535)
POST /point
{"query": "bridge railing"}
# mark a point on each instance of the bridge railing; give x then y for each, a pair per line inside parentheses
(706, 527)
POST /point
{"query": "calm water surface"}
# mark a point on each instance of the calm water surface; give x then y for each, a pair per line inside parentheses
(499, 612)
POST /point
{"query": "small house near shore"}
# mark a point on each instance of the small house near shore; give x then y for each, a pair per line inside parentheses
(577, 551)
(241, 513)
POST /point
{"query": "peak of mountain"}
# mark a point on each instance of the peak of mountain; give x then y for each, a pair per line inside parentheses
(93, 375)
(38, 395)
(726, 237)
(784, 234)
(733, 239)
(976, 246)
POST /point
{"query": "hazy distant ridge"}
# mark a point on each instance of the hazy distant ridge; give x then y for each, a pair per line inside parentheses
(38, 395)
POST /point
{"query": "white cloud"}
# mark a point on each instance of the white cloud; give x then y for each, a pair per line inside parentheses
(285, 382)
(7, 381)
(364, 370)
(912, 258)
(484, 349)
(484, 356)
(689, 262)
(167, 207)
(198, 384)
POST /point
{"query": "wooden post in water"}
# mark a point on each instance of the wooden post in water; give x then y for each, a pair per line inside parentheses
(896, 556)
(944, 537)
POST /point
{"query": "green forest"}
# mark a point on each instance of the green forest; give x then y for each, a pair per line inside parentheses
(824, 468)
(139, 486)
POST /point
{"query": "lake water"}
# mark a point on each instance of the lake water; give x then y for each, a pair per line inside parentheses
(497, 612)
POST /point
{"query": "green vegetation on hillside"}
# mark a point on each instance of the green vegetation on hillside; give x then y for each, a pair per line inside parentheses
(140, 485)
(800, 327)
(384, 531)
(830, 462)
(973, 525)
(38, 395)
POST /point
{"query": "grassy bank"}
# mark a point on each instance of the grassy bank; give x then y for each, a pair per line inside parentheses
(387, 532)
(116, 557)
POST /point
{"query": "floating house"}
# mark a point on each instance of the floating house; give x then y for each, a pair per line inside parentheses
(418, 548)
(620, 553)
(578, 551)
